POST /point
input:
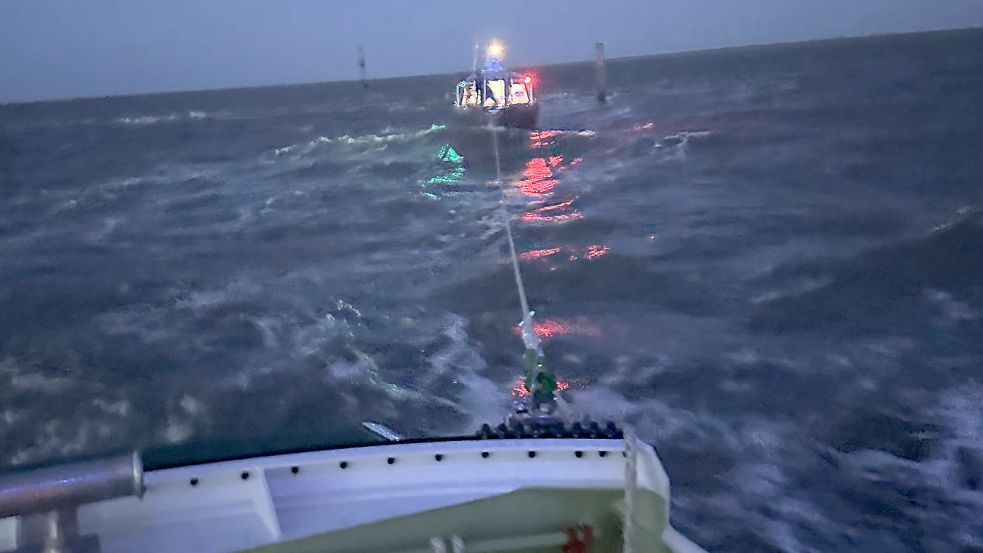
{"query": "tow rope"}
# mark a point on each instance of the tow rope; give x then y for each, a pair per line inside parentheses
(539, 379)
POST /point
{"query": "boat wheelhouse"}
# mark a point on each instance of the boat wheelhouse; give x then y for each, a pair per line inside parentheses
(507, 97)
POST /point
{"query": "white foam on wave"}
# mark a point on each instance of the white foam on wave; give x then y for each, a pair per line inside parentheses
(40, 383)
(40, 433)
(155, 119)
(482, 399)
(123, 183)
(674, 147)
(759, 483)
(959, 411)
(681, 138)
(177, 431)
(456, 365)
(183, 419)
(953, 310)
(310, 339)
(87, 195)
(11, 417)
(59, 438)
(962, 409)
(386, 136)
(654, 420)
(962, 214)
(365, 370)
(796, 288)
(147, 119)
(109, 224)
(120, 408)
(29, 381)
(207, 299)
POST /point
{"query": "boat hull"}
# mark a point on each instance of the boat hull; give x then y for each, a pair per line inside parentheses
(477, 144)
(399, 497)
(519, 116)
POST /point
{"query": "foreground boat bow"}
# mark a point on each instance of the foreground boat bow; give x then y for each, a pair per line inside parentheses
(523, 494)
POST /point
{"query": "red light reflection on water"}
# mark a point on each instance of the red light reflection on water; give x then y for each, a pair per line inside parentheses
(551, 328)
(537, 179)
(591, 252)
(553, 213)
(596, 250)
(554, 207)
(542, 138)
(519, 387)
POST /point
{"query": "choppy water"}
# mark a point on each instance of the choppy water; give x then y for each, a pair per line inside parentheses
(769, 260)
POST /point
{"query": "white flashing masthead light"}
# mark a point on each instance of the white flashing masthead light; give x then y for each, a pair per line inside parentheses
(495, 50)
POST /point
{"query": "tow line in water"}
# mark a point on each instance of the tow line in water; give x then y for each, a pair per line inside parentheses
(539, 378)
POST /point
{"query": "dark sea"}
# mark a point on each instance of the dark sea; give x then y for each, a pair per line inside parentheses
(769, 260)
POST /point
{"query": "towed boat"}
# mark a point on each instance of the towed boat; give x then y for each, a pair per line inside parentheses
(498, 98)
(503, 97)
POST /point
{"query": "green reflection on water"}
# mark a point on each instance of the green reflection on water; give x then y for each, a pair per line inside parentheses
(452, 172)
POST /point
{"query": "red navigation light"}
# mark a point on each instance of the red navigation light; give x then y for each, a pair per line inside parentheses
(528, 79)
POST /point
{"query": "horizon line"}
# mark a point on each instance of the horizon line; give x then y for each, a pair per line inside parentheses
(858, 37)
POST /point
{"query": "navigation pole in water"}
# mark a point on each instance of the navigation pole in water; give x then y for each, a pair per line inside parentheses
(361, 67)
(601, 72)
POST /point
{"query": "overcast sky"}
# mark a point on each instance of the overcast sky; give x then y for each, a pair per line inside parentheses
(69, 48)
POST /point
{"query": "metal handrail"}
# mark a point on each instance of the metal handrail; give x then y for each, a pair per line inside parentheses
(52, 488)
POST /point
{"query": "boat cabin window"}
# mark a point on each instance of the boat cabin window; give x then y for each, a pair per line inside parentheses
(467, 94)
(494, 93)
(519, 93)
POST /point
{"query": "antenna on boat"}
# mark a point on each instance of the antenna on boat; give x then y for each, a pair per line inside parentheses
(601, 73)
(361, 67)
(474, 64)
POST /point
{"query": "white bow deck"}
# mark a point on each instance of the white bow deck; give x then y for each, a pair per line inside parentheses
(487, 495)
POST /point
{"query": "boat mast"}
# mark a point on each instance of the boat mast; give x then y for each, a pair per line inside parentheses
(474, 63)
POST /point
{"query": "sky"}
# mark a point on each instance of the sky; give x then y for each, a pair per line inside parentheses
(71, 48)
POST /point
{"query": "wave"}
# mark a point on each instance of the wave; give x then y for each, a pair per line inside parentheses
(386, 138)
(681, 138)
(947, 473)
(377, 141)
(883, 289)
(146, 119)
(30, 431)
(143, 120)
